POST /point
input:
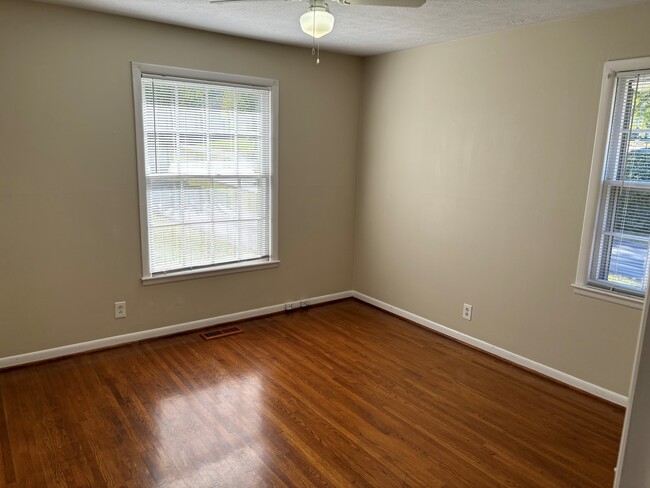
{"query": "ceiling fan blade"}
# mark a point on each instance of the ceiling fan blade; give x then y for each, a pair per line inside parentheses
(237, 1)
(387, 3)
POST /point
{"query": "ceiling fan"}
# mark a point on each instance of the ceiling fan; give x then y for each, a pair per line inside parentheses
(318, 21)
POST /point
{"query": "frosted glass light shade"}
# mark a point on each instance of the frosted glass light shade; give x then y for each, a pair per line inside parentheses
(317, 22)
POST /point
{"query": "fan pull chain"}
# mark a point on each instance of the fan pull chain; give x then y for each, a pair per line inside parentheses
(315, 49)
(315, 43)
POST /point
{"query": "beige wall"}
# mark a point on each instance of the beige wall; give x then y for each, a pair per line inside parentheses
(472, 184)
(70, 243)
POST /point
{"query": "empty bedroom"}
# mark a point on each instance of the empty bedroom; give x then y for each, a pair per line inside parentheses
(303, 243)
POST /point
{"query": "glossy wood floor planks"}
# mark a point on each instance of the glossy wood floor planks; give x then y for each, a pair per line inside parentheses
(337, 395)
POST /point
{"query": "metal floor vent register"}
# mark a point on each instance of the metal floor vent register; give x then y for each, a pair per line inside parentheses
(216, 334)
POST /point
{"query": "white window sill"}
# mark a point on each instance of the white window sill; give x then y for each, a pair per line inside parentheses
(207, 272)
(608, 296)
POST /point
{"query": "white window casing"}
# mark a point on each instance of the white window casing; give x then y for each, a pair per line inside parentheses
(613, 260)
(207, 172)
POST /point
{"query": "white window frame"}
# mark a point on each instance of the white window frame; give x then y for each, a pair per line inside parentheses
(587, 240)
(152, 69)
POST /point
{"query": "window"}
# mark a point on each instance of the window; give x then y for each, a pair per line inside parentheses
(206, 166)
(620, 252)
(620, 214)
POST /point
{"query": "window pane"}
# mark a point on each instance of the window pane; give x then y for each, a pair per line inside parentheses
(166, 248)
(198, 242)
(164, 201)
(630, 212)
(623, 247)
(197, 200)
(628, 262)
(638, 162)
(226, 235)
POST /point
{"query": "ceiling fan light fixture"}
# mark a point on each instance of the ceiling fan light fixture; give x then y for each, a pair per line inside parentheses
(317, 22)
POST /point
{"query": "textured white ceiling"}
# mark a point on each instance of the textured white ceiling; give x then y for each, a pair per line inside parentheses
(360, 30)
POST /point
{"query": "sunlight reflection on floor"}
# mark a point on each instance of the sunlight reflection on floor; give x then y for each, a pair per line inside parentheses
(207, 435)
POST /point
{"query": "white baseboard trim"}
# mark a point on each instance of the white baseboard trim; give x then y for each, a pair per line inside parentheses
(497, 351)
(62, 351)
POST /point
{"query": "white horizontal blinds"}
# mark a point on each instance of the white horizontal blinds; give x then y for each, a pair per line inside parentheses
(207, 164)
(620, 256)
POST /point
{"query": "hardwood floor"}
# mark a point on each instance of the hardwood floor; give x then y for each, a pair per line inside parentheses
(338, 395)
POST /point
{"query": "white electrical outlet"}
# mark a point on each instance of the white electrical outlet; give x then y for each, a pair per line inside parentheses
(288, 307)
(304, 303)
(467, 311)
(120, 310)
